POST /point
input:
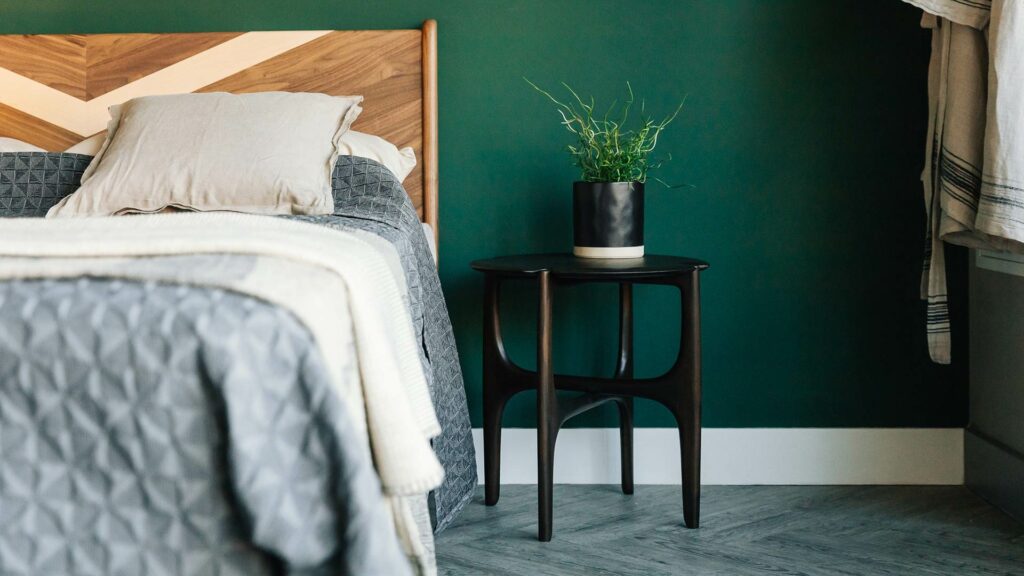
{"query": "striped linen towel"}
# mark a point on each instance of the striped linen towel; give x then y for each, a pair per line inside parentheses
(974, 160)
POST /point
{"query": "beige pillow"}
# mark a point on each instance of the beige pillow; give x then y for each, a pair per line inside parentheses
(399, 161)
(261, 153)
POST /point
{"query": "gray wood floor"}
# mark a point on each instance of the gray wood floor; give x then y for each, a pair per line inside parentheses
(790, 530)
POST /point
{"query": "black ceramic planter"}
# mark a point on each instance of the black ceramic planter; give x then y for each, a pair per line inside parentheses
(608, 219)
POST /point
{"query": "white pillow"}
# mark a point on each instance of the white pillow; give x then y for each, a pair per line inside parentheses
(260, 153)
(91, 146)
(399, 162)
(12, 145)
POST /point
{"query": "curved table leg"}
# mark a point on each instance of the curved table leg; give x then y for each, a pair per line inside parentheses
(494, 397)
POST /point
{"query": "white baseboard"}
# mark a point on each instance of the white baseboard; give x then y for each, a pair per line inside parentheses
(744, 456)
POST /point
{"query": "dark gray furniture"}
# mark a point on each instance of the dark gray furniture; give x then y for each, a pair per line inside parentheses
(678, 389)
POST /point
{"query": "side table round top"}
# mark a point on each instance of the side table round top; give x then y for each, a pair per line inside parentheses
(569, 266)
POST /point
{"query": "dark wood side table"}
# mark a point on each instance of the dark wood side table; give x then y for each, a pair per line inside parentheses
(678, 389)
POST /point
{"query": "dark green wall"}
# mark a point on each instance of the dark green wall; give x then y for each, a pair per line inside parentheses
(802, 137)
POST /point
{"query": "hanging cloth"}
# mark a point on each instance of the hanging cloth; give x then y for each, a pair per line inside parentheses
(974, 155)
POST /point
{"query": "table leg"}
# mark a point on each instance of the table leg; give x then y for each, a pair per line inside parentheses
(493, 397)
(625, 370)
(547, 411)
(689, 408)
(626, 442)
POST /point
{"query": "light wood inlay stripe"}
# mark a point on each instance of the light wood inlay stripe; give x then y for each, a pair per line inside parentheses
(113, 60)
(188, 75)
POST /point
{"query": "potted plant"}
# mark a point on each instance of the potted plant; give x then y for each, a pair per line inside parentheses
(608, 199)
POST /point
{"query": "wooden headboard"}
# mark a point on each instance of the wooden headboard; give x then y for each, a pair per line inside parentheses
(56, 88)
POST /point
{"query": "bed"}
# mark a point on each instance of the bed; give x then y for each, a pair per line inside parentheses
(181, 400)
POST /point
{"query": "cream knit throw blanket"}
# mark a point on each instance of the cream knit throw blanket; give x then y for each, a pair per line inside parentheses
(974, 161)
(306, 268)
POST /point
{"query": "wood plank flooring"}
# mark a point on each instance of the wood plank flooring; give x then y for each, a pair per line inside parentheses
(745, 530)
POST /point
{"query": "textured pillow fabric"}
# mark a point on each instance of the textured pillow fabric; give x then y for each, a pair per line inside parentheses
(10, 145)
(399, 162)
(32, 182)
(261, 153)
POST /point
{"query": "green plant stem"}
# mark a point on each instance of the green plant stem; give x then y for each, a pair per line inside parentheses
(605, 150)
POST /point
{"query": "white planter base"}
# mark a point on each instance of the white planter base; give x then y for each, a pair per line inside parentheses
(600, 252)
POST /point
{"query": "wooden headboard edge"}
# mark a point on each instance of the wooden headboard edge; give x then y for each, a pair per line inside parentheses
(57, 87)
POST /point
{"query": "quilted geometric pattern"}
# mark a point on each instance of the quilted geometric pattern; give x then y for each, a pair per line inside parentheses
(150, 429)
(366, 196)
(32, 182)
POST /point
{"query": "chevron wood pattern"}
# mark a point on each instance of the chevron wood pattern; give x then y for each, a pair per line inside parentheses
(745, 530)
(15, 124)
(383, 66)
(57, 88)
(113, 60)
(56, 61)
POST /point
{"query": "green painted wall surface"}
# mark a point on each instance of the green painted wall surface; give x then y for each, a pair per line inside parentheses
(802, 137)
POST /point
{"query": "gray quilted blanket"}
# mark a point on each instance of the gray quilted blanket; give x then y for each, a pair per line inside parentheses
(160, 429)
(153, 429)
